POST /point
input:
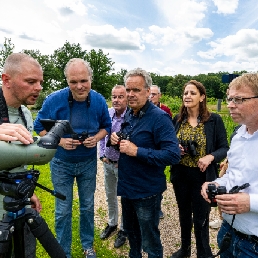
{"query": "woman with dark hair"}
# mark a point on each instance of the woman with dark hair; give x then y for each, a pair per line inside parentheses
(203, 143)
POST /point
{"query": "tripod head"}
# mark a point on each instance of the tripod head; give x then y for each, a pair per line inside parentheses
(18, 188)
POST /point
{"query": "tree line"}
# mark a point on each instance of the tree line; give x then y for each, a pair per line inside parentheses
(104, 76)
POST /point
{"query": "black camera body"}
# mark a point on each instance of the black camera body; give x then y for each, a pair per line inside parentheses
(189, 147)
(122, 136)
(212, 191)
(80, 137)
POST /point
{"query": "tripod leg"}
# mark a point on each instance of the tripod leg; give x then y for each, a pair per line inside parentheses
(18, 238)
(6, 236)
(41, 231)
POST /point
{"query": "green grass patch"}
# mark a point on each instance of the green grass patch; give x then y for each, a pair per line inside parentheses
(48, 213)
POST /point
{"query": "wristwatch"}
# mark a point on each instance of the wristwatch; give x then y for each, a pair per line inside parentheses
(102, 157)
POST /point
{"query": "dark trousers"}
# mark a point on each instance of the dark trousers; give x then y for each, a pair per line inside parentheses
(141, 224)
(193, 209)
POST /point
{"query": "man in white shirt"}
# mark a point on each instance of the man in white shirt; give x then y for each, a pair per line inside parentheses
(242, 98)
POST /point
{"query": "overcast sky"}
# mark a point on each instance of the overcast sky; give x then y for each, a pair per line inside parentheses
(167, 37)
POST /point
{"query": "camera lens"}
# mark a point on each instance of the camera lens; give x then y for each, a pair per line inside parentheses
(211, 187)
(221, 190)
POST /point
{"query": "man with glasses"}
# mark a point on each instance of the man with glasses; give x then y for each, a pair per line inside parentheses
(155, 96)
(240, 210)
(148, 145)
(109, 156)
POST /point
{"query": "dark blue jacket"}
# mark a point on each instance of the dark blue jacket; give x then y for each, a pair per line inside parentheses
(153, 133)
(83, 118)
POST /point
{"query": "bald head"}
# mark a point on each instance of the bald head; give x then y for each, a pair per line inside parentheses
(14, 63)
(22, 78)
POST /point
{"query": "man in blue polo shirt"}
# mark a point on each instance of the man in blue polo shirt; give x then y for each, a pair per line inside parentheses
(76, 156)
(148, 145)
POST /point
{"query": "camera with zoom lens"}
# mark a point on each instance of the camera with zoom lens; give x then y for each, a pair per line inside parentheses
(189, 147)
(212, 191)
(80, 137)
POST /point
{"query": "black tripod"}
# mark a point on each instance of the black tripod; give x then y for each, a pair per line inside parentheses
(17, 188)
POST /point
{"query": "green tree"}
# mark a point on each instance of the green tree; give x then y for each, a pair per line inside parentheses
(60, 58)
(175, 85)
(161, 81)
(101, 64)
(120, 76)
(49, 69)
(6, 50)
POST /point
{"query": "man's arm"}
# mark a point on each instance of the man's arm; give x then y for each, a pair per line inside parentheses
(15, 132)
(92, 141)
(168, 151)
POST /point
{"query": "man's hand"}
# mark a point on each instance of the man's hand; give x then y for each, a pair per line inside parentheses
(15, 132)
(90, 142)
(128, 148)
(69, 143)
(204, 190)
(234, 203)
(114, 138)
(36, 205)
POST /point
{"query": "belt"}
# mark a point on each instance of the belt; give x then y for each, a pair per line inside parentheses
(112, 161)
(251, 238)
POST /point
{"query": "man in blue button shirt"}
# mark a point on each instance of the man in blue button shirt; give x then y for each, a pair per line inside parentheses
(147, 146)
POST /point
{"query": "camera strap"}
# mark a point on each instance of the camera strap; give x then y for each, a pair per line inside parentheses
(4, 116)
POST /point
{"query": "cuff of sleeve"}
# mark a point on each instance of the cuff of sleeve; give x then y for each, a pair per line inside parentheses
(142, 154)
(254, 203)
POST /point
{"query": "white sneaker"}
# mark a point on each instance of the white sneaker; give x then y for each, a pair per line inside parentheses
(215, 223)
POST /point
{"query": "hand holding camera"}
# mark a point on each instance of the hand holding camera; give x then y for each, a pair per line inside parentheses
(116, 139)
(189, 147)
(212, 191)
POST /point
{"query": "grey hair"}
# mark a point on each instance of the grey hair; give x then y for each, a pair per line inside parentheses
(249, 80)
(156, 86)
(13, 63)
(118, 87)
(140, 72)
(78, 60)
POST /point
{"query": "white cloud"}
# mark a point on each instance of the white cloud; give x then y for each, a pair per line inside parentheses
(185, 36)
(226, 6)
(241, 46)
(108, 37)
(67, 7)
(182, 13)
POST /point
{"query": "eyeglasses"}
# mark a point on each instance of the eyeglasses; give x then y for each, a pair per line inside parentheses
(239, 100)
(154, 94)
(117, 97)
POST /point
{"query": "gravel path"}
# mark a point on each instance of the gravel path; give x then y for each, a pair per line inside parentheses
(169, 226)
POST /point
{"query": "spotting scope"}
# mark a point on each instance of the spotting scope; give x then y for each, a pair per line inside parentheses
(16, 154)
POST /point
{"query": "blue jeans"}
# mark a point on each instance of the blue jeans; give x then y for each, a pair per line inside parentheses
(141, 223)
(111, 177)
(63, 175)
(239, 247)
